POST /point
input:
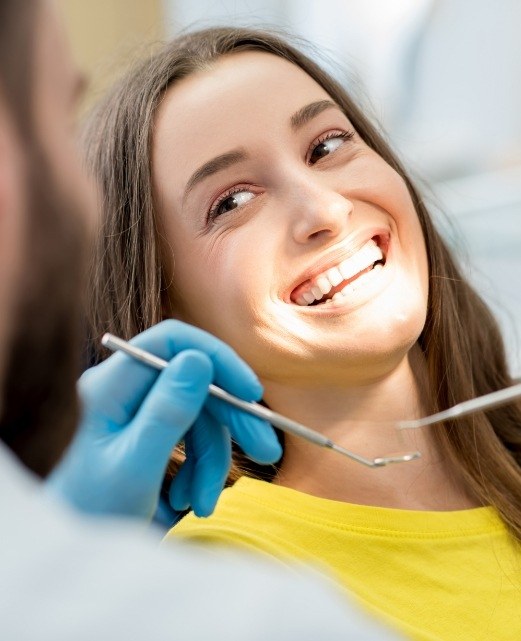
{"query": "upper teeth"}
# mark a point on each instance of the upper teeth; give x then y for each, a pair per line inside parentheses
(322, 284)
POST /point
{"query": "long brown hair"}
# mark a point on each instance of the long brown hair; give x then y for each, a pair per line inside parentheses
(461, 342)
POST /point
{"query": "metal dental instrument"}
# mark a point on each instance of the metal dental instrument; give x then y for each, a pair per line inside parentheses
(486, 402)
(285, 424)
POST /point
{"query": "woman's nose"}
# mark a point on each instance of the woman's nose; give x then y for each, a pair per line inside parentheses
(319, 212)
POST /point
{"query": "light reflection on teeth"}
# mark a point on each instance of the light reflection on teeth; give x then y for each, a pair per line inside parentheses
(334, 276)
(358, 283)
(324, 284)
(321, 286)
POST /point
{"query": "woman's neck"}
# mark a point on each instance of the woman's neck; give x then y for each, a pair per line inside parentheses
(359, 419)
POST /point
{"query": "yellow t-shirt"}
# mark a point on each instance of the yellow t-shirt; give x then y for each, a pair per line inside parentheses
(436, 576)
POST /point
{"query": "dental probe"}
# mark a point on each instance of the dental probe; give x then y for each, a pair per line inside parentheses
(285, 424)
(478, 404)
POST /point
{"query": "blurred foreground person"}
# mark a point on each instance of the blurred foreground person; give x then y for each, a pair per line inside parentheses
(63, 577)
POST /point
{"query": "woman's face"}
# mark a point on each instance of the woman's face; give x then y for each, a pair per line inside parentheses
(285, 234)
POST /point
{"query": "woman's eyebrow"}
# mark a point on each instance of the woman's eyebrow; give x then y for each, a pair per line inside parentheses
(219, 163)
(213, 166)
(307, 113)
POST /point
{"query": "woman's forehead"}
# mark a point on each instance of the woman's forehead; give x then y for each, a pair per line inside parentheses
(241, 97)
(248, 84)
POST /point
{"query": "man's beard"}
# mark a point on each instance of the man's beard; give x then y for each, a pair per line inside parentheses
(41, 408)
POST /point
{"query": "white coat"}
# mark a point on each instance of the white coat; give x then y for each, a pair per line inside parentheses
(63, 577)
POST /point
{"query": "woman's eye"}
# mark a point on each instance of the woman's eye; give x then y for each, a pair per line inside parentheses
(327, 146)
(230, 202)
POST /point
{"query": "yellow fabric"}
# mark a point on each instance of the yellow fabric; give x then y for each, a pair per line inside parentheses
(436, 576)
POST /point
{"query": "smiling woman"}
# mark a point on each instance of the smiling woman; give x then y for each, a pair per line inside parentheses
(247, 194)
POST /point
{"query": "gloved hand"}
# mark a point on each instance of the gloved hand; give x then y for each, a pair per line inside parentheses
(133, 416)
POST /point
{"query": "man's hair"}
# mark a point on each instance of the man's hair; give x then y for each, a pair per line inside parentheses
(40, 406)
(461, 342)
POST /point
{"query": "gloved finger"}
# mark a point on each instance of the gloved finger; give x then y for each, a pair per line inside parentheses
(102, 390)
(213, 455)
(168, 411)
(179, 492)
(255, 437)
(165, 516)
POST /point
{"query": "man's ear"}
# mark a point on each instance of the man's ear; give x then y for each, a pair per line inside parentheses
(12, 197)
(12, 223)
(5, 183)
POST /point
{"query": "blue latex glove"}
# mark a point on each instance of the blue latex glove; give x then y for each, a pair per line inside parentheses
(133, 416)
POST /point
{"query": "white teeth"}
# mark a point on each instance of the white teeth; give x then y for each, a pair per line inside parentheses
(334, 276)
(359, 282)
(324, 284)
(348, 289)
(343, 268)
(317, 292)
(365, 257)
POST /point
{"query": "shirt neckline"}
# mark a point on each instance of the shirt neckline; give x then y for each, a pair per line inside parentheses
(480, 520)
